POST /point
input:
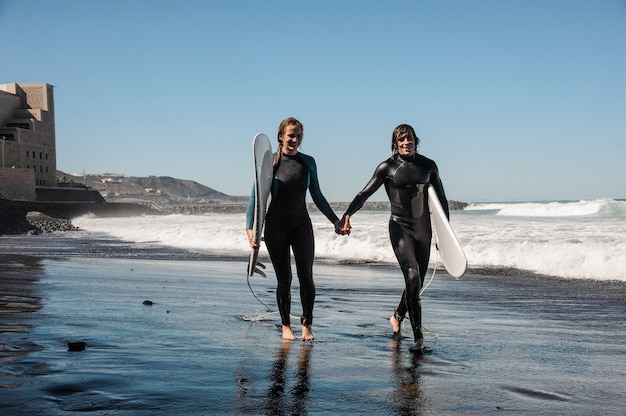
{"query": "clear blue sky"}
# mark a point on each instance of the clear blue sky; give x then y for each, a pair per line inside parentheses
(516, 99)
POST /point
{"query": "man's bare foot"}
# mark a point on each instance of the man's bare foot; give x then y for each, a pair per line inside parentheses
(395, 325)
(288, 333)
(307, 335)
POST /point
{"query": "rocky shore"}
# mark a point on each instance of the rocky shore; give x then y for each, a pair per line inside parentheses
(15, 220)
(43, 223)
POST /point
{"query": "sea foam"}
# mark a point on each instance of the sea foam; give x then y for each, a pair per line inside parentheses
(581, 239)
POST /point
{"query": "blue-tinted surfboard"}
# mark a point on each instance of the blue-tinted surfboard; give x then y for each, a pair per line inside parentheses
(263, 172)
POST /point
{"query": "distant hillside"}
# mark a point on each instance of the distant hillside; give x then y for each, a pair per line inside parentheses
(161, 190)
(183, 196)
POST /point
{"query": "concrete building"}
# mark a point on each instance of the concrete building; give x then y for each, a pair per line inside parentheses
(28, 167)
(27, 140)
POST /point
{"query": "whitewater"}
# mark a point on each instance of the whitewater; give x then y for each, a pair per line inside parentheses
(577, 239)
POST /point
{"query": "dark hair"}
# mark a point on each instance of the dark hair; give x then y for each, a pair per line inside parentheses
(289, 121)
(401, 132)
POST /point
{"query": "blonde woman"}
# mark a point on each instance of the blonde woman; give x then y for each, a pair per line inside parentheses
(288, 225)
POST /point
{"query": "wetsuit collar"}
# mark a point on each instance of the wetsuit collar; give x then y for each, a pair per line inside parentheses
(407, 158)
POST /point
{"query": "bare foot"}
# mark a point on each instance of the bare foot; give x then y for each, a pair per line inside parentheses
(395, 325)
(288, 333)
(307, 335)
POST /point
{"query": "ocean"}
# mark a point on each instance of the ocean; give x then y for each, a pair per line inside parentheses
(577, 239)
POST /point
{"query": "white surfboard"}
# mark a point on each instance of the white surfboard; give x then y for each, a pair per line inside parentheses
(263, 172)
(450, 250)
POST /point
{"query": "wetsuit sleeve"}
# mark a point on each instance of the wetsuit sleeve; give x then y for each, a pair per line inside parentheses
(316, 193)
(372, 186)
(435, 181)
(250, 210)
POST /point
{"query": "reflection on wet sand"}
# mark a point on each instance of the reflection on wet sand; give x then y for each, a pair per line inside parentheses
(296, 402)
(407, 381)
(19, 298)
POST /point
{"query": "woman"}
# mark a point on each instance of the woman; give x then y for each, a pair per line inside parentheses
(406, 176)
(288, 226)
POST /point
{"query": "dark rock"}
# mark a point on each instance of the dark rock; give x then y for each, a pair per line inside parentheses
(457, 205)
(76, 346)
(18, 220)
(47, 224)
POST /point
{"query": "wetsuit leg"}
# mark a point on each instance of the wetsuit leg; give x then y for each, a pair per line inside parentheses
(405, 246)
(422, 255)
(401, 309)
(303, 245)
(277, 243)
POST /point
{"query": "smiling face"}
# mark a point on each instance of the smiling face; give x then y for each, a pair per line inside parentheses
(405, 145)
(404, 141)
(291, 139)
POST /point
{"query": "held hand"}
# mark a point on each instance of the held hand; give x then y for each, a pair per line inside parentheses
(343, 226)
(347, 228)
(251, 239)
(338, 226)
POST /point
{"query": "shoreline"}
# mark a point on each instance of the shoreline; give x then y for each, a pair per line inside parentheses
(44, 243)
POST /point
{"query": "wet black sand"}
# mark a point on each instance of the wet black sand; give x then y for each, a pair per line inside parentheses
(505, 344)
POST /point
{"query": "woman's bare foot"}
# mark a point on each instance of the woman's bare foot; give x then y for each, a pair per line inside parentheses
(288, 333)
(307, 335)
(395, 325)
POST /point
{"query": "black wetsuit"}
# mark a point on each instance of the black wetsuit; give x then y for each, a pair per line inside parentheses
(288, 226)
(406, 182)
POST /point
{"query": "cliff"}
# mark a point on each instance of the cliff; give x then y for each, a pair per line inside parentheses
(151, 190)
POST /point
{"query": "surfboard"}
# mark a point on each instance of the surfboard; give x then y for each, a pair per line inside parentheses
(263, 172)
(450, 250)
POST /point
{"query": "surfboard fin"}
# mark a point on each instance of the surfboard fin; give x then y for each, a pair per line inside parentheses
(258, 267)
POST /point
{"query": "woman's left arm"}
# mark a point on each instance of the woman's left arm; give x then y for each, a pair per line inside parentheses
(316, 193)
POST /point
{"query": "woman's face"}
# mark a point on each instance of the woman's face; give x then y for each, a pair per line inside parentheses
(291, 140)
(406, 145)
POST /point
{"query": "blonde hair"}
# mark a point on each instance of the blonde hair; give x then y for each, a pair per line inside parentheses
(289, 121)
